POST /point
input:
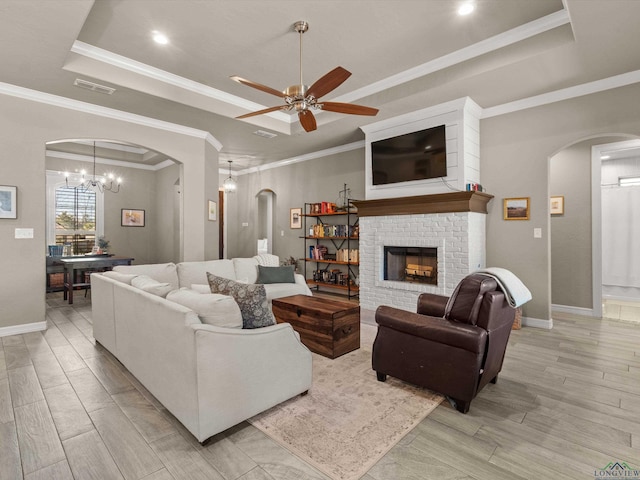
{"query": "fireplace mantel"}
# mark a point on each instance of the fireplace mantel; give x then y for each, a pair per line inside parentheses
(437, 203)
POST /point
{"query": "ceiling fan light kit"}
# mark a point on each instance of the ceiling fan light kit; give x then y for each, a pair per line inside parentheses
(303, 99)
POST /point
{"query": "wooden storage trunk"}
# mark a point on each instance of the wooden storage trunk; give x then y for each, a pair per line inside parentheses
(327, 327)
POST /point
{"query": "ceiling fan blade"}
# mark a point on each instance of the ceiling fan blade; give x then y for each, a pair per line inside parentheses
(349, 108)
(307, 120)
(266, 110)
(258, 86)
(330, 81)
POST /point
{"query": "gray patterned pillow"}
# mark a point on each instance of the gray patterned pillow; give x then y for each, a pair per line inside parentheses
(250, 297)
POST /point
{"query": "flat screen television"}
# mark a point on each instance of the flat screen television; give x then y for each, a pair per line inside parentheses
(413, 156)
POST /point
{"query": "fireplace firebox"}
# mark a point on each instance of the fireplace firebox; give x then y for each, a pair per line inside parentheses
(411, 264)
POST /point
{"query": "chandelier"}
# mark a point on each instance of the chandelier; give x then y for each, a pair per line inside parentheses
(101, 184)
(230, 185)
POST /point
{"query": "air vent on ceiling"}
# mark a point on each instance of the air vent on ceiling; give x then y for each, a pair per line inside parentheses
(94, 87)
(262, 133)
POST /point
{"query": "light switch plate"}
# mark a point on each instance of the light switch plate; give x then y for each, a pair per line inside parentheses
(537, 233)
(24, 233)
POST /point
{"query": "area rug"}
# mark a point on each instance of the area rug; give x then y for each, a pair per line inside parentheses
(349, 420)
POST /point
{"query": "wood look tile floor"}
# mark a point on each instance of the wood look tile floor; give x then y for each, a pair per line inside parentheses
(566, 403)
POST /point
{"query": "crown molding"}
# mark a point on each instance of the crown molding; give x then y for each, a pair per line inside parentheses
(125, 63)
(108, 161)
(568, 93)
(106, 112)
(301, 158)
(518, 34)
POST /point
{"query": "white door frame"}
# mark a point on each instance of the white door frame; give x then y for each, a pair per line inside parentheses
(596, 216)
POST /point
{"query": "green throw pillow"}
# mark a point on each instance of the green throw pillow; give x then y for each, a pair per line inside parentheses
(276, 274)
(250, 297)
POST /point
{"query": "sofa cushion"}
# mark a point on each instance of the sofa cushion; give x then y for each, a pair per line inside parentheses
(251, 298)
(196, 272)
(200, 287)
(120, 277)
(246, 270)
(279, 290)
(211, 308)
(161, 272)
(150, 285)
(283, 274)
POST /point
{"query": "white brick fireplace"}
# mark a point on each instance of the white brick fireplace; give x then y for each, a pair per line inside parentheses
(458, 236)
(403, 215)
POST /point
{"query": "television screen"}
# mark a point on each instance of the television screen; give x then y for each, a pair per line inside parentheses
(413, 156)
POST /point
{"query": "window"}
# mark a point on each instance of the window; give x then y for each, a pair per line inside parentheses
(73, 215)
(75, 218)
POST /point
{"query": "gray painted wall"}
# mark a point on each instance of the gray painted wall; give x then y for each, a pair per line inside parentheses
(141, 190)
(571, 272)
(25, 128)
(515, 152)
(167, 214)
(293, 185)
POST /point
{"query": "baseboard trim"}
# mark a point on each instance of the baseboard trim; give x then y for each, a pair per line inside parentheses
(24, 328)
(587, 312)
(621, 298)
(537, 323)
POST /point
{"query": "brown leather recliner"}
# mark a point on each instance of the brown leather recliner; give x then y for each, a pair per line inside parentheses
(454, 352)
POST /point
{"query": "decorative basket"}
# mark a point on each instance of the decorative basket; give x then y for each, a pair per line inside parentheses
(517, 322)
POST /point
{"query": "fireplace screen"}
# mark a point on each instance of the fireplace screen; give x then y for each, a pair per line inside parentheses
(411, 264)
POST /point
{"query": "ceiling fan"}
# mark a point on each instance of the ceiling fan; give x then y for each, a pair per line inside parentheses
(303, 99)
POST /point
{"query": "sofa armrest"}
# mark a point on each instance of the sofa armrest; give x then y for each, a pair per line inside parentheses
(432, 304)
(300, 280)
(436, 329)
(244, 372)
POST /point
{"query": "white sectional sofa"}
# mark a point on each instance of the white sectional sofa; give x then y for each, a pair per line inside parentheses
(209, 377)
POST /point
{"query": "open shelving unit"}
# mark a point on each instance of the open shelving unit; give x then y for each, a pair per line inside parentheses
(322, 275)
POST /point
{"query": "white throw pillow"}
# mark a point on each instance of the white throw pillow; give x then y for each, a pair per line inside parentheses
(120, 277)
(246, 270)
(212, 308)
(161, 272)
(148, 284)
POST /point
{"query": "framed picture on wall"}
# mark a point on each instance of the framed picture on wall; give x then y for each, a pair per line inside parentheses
(516, 208)
(132, 218)
(556, 205)
(213, 211)
(295, 219)
(8, 201)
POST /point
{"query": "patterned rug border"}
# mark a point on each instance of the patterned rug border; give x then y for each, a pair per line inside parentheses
(271, 431)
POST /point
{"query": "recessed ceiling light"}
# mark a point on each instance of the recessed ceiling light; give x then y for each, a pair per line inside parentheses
(160, 37)
(466, 8)
(605, 157)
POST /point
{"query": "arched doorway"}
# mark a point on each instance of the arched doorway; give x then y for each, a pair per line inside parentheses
(265, 220)
(151, 185)
(576, 233)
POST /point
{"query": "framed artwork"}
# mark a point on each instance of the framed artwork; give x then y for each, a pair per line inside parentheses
(516, 208)
(557, 205)
(213, 211)
(132, 218)
(295, 218)
(8, 201)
